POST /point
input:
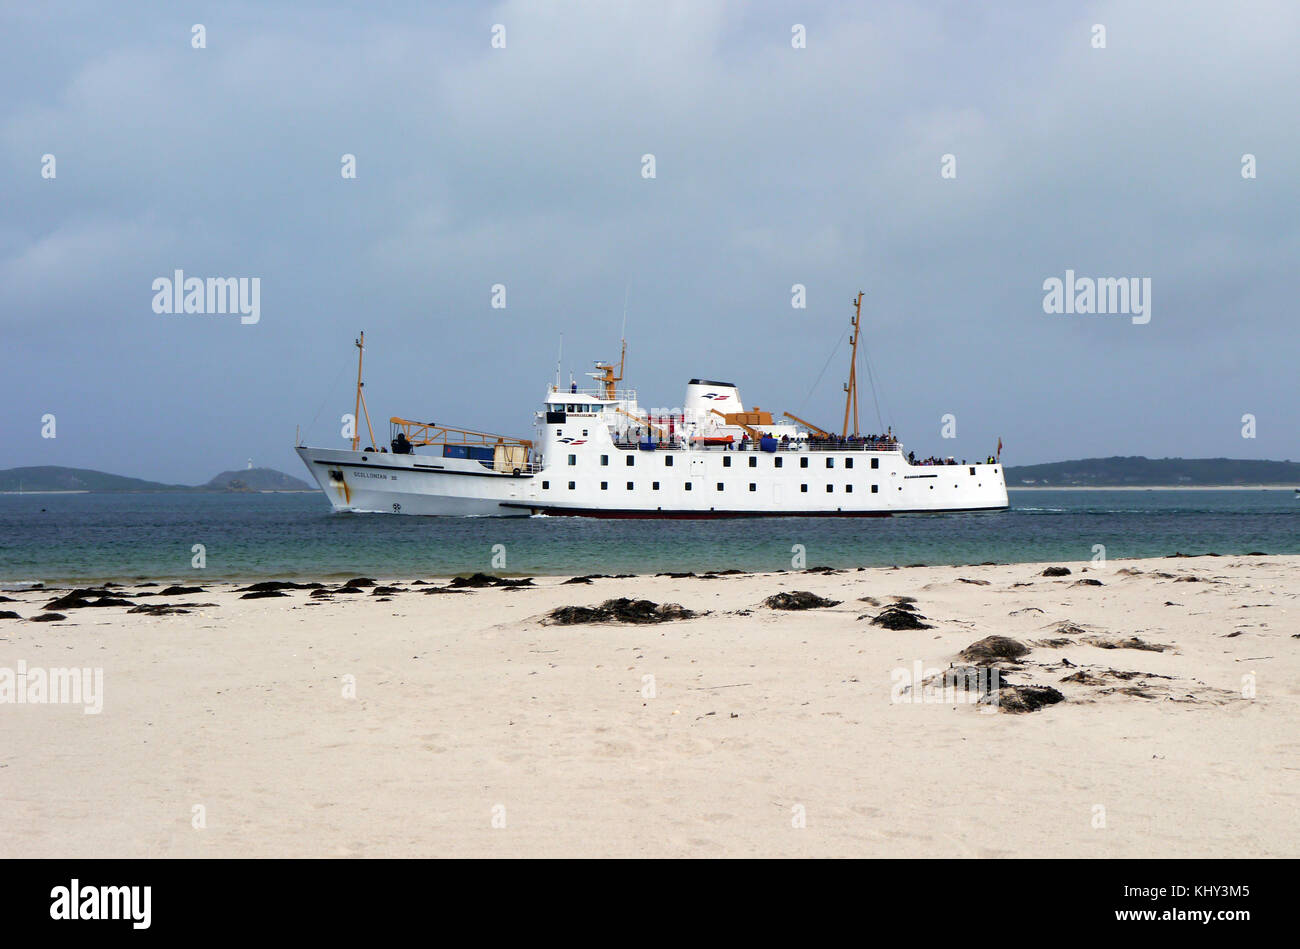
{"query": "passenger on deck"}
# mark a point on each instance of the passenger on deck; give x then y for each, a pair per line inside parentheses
(400, 445)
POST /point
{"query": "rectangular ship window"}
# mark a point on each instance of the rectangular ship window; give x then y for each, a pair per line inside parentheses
(604, 460)
(803, 488)
(631, 460)
(572, 485)
(778, 462)
(972, 471)
(753, 486)
(719, 485)
(848, 462)
(688, 486)
(726, 461)
(875, 489)
(830, 488)
(803, 462)
(654, 486)
(875, 462)
(546, 485)
(573, 459)
(629, 485)
(604, 486)
(848, 489)
(830, 462)
(668, 461)
(753, 462)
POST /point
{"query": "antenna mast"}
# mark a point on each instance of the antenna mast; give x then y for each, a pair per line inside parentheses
(851, 387)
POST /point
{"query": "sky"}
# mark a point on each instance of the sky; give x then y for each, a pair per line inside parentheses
(776, 164)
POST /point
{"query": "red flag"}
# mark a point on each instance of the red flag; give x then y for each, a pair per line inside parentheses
(999, 448)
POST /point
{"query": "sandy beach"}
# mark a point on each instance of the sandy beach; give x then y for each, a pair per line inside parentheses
(459, 723)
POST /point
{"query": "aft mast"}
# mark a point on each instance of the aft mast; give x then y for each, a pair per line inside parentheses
(851, 387)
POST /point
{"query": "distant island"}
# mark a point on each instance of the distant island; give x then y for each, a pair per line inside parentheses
(45, 478)
(1139, 472)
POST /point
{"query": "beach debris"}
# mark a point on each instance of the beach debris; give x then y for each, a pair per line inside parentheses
(995, 648)
(346, 588)
(1022, 583)
(1056, 572)
(259, 587)
(676, 576)
(798, 600)
(1066, 628)
(1129, 572)
(903, 599)
(978, 583)
(361, 582)
(47, 618)
(822, 570)
(262, 594)
(1087, 582)
(7, 599)
(432, 590)
(9, 614)
(478, 580)
(1018, 699)
(1027, 609)
(80, 599)
(871, 600)
(167, 609)
(620, 610)
(387, 591)
(1132, 642)
(730, 572)
(899, 616)
(180, 591)
(1052, 643)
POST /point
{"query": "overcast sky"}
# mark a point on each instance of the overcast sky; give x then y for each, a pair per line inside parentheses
(522, 166)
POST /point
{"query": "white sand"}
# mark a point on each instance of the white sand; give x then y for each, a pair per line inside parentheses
(466, 702)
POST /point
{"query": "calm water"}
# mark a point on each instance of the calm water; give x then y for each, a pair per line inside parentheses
(55, 538)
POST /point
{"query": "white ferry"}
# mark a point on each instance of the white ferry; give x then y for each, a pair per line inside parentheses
(599, 454)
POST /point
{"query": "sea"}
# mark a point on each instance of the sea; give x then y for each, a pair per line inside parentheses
(58, 539)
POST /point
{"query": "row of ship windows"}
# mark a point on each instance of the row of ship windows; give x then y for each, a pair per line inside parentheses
(654, 486)
(726, 461)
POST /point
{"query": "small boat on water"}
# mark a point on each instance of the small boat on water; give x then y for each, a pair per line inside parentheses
(597, 453)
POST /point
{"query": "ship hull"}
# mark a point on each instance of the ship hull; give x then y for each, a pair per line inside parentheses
(702, 485)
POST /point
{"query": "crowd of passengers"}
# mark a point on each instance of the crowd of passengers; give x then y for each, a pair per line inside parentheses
(935, 460)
